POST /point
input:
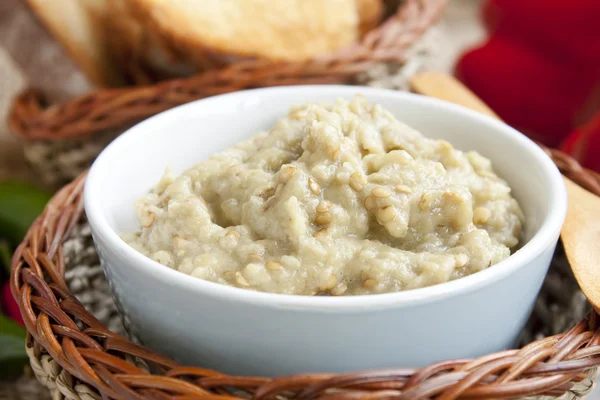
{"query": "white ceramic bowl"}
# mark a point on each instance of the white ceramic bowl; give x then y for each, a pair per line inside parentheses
(244, 332)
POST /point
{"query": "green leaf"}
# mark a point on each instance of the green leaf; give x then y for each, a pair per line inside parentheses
(13, 356)
(20, 204)
(5, 255)
(8, 327)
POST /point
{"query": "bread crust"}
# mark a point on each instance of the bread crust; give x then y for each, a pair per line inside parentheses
(370, 14)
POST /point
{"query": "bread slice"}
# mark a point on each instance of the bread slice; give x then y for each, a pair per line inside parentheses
(370, 13)
(79, 27)
(277, 30)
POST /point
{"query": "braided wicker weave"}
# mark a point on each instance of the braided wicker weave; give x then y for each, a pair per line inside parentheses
(88, 360)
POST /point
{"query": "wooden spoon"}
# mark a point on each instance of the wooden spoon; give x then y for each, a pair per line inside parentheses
(580, 233)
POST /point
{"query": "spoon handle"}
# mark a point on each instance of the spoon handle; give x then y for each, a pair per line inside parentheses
(446, 87)
(580, 234)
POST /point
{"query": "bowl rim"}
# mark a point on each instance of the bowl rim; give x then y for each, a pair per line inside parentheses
(544, 238)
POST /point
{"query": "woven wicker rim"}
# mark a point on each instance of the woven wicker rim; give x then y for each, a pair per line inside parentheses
(79, 343)
(114, 108)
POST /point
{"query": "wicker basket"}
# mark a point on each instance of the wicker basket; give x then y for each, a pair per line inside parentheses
(74, 353)
(79, 357)
(76, 356)
(66, 137)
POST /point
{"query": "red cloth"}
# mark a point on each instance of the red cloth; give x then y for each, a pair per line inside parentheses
(539, 68)
(9, 305)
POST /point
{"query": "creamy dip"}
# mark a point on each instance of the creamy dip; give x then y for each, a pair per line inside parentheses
(335, 199)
